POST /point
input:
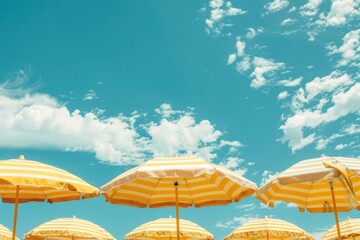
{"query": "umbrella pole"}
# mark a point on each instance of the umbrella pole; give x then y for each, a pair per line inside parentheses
(335, 209)
(15, 212)
(176, 184)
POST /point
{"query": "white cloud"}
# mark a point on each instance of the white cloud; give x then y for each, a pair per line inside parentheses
(329, 83)
(276, 6)
(263, 67)
(323, 142)
(350, 50)
(311, 8)
(267, 175)
(246, 207)
(240, 47)
(352, 129)
(287, 21)
(343, 102)
(341, 11)
(291, 83)
(90, 95)
(39, 121)
(282, 95)
(218, 12)
(341, 146)
(252, 32)
(231, 59)
(244, 64)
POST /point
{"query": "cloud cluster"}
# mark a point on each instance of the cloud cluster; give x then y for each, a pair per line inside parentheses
(349, 50)
(39, 121)
(220, 10)
(323, 100)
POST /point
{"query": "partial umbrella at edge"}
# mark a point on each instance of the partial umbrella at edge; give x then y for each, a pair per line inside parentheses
(325, 184)
(268, 228)
(5, 233)
(23, 181)
(165, 228)
(177, 181)
(68, 229)
(350, 230)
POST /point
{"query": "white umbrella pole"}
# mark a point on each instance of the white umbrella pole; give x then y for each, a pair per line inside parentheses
(335, 209)
(176, 184)
(15, 212)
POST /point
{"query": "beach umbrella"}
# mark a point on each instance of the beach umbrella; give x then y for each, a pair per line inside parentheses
(350, 229)
(165, 228)
(325, 184)
(23, 181)
(268, 228)
(177, 181)
(68, 229)
(5, 233)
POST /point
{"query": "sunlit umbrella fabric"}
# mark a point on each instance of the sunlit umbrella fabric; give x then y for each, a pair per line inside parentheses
(5, 233)
(165, 228)
(200, 183)
(39, 182)
(68, 228)
(350, 229)
(306, 184)
(268, 228)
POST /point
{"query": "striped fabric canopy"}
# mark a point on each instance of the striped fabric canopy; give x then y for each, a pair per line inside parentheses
(5, 233)
(165, 228)
(40, 182)
(200, 183)
(350, 229)
(307, 184)
(268, 228)
(68, 228)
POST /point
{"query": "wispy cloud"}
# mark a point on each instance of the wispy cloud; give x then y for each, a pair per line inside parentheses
(276, 5)
(90, 95)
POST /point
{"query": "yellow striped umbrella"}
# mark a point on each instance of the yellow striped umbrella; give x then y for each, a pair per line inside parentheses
(165, 228)
(5, 233)
(350, 230)
(268, 228)
(68, 228)
(25, 180)
(313, 184)
(179, 181)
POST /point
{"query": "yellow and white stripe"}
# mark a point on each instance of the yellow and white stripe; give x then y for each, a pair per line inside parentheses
(68, 228)
(307, 184)
(200, 184)
(268, 228)
(350, 229)
(165, 228)
(40, 182)
(5, 233)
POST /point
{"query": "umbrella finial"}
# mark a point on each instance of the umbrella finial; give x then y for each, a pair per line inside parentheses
(21, 157)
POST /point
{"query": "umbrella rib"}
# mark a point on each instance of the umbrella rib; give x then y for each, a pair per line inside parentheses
(308, 194)
(153, 190)
(192, 201)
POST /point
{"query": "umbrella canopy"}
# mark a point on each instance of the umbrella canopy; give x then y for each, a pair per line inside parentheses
(350, 229)
(268, 228)
(25, 180)
(200, 183)
(5, 233)
(313, 184)
(165, 228)
(68, 229)
(178, 181)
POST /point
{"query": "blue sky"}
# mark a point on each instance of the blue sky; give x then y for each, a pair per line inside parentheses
(98, 87)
